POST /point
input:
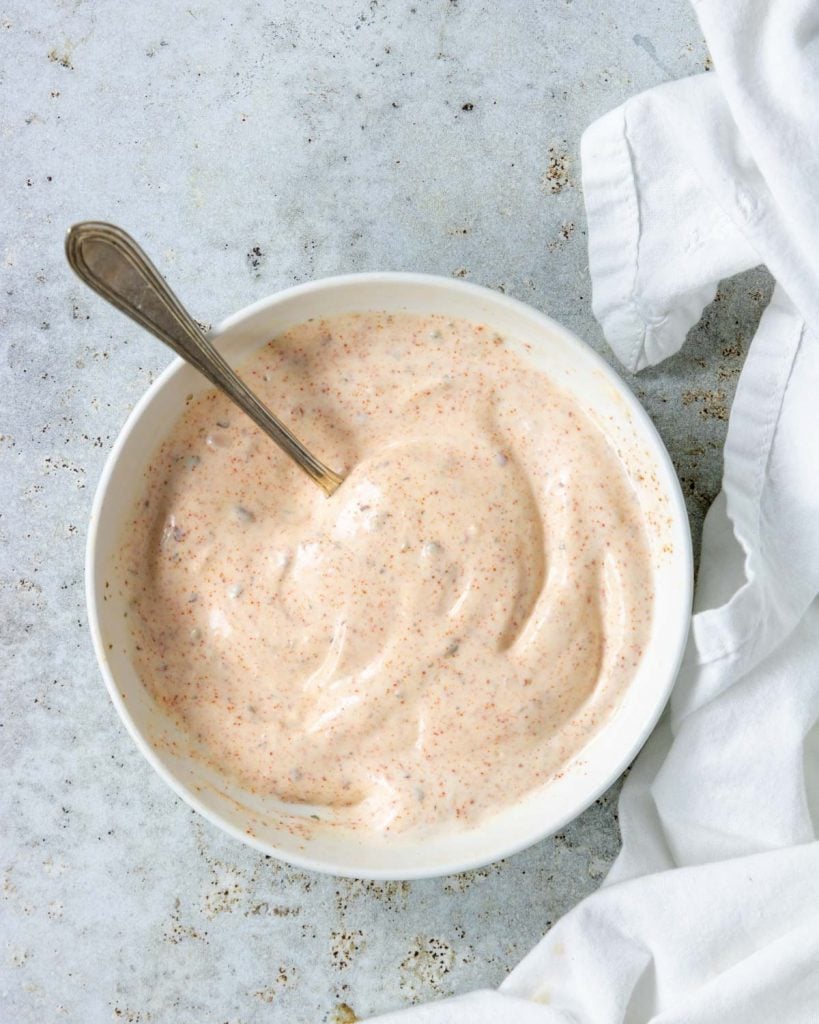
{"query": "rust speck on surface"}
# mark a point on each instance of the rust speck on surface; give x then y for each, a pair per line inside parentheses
(425, 967)
(176, 932)
(226, 890)
(61, 56)
(713, 403)
(344, 946)
(265, 909)
(556, 176)
(255, 260)
(466, 879)
(342, 1014)
(268, 993)
(564, 235)
(393, 895)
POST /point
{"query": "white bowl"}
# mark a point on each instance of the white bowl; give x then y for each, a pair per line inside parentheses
(575, 367)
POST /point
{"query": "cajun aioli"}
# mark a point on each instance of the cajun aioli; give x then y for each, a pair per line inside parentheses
(443, 634)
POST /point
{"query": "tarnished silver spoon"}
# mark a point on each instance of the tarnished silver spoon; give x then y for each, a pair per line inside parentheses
(108, 260)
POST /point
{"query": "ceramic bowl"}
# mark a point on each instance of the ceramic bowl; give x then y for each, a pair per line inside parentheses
(575, 367)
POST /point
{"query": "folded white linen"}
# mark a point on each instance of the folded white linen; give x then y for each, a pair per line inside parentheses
(711, 912)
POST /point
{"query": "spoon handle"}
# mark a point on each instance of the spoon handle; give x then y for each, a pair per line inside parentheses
(108, 260)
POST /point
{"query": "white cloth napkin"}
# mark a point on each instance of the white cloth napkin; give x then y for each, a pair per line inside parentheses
(711, 913)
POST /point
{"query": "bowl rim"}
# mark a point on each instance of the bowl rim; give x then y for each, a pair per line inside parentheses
(677, 642)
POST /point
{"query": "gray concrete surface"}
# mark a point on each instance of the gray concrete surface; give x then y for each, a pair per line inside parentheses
(253, 145)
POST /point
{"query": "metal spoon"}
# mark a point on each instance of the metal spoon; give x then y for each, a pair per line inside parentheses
(108, 260)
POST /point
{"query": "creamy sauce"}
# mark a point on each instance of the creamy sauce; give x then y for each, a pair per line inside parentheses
(442, 635)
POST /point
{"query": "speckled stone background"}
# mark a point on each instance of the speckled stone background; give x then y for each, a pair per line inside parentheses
(250, 146)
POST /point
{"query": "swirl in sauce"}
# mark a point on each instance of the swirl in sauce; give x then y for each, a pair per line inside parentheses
(444, 634)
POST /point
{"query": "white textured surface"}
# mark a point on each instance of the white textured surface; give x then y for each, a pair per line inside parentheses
(250, 146)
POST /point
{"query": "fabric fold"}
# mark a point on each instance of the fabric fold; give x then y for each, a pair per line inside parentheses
(663, 232)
